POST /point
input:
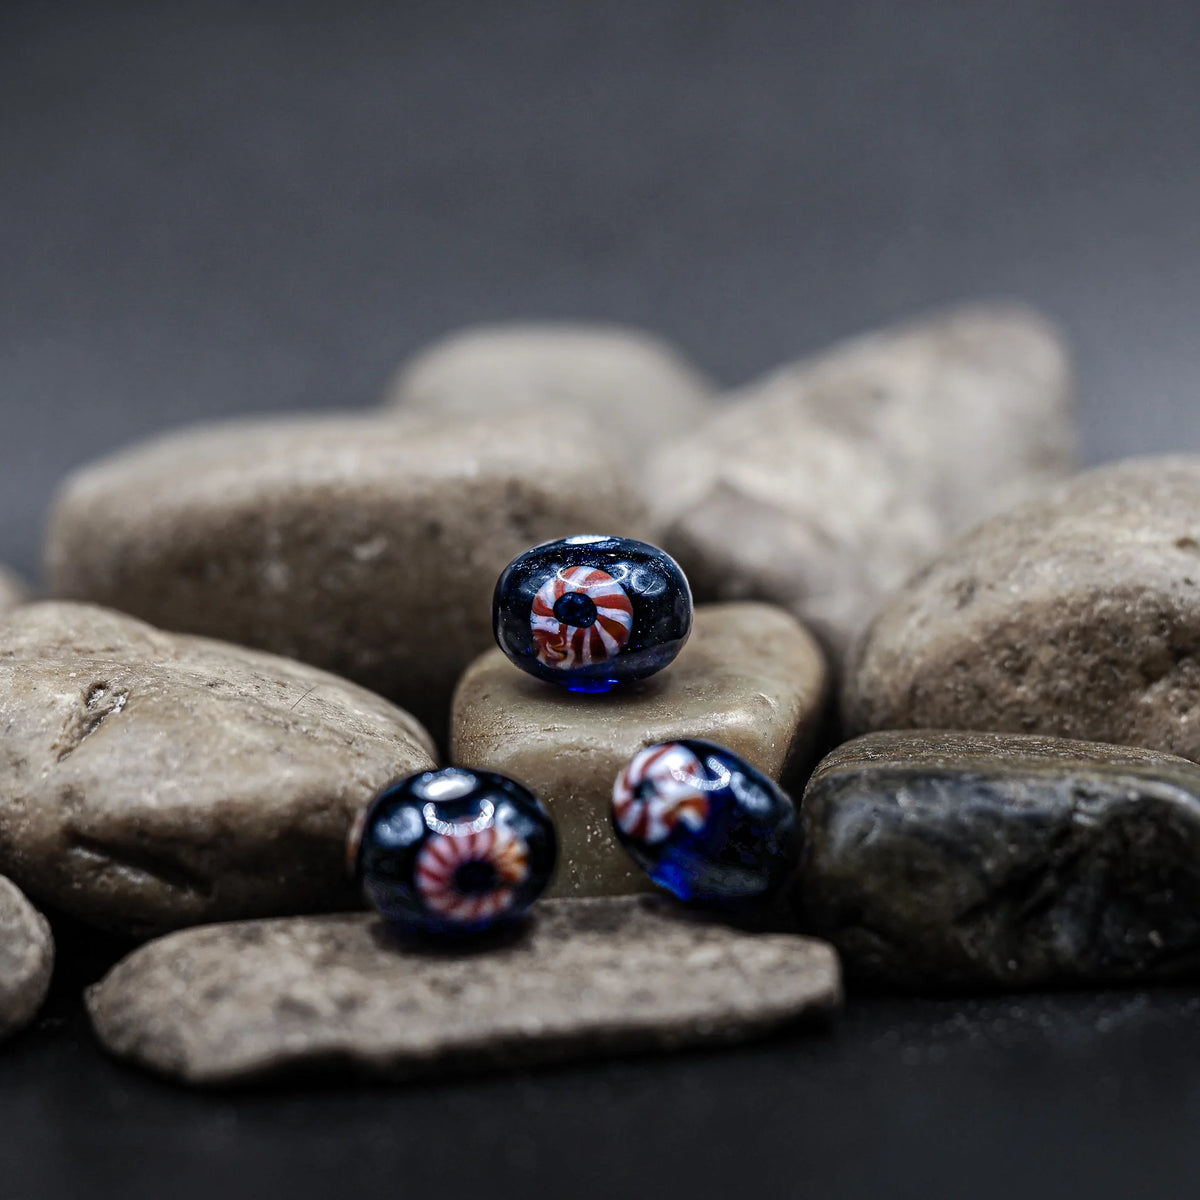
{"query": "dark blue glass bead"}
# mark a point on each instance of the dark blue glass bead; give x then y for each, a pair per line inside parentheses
(453, 851)
(704, 824)
(592, 612)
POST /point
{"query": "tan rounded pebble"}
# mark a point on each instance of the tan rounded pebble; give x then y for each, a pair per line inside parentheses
(12, 590)
(151, 780)
(239, 1003)
(1076, 615)
(749, 677)
(26, 959)
(823, 486)
(367, 546)
(637, 389)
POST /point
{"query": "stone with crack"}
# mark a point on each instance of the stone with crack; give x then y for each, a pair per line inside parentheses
(980, 860)
(152, 780)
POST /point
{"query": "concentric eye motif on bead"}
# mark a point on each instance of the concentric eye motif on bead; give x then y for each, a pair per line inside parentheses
(469, 876)
(453, 851)
(592, 612)
(704, 824)
(661, 787)
(580, 616)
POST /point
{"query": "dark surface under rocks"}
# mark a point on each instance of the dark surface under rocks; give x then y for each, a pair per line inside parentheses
(212, 208)
(997, 860)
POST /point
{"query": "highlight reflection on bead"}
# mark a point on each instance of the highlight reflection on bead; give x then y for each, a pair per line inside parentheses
(704, 824)
(454, 850)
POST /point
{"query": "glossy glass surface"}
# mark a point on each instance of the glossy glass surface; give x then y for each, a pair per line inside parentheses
(591, 612)
(453, 851)
(704, 824)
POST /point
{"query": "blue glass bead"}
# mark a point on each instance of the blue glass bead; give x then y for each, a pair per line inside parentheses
(453, 851)
(591, 612)
(704, 824)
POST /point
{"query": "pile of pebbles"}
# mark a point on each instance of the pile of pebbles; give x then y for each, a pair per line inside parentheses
(256, 626)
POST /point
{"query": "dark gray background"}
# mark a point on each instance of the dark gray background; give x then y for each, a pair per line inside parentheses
(214, 208)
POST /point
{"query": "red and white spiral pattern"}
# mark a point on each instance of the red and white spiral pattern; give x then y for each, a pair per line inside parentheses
(444, 853)
(567, 646)
(673, 793)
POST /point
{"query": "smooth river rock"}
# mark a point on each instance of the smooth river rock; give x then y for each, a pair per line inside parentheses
(241, 1002)
(749, 677)
(12, 590)
(974, 860)
(26, 959)
(1076, 615)
(151, 780)
(366, 546)
(825, 485)
(638, 390)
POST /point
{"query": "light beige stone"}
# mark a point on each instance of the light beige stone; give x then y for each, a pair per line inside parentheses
(749, 678)
(26, 959)
(151, 780)
(367, 546)
(12, 590)
(637, 389)
(242, 1002)
(1076, 615)
(824, 485)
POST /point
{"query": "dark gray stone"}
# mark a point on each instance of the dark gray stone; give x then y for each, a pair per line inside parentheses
(26, 959)
(1000, 860)
(235, 1003)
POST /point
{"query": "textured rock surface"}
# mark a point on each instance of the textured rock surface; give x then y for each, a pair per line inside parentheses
(12, 590)
(240, 1002)
(827, 483)
(369, 547)
(149, 780)
(750, 678)
(1003, 860)
(1076, 615)
(635, 387)
(26, 959)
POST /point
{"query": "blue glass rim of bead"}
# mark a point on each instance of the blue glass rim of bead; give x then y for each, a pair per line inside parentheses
(706, 825)
(453, 851)
(592, 611)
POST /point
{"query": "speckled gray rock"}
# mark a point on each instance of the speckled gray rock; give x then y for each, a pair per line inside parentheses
(12, 590)
(824, 485)
(1004, 860)
(749, 677)
(234, 1003)
(1076, 615)
(26, 959)
(367, 546)
(149, 780)
(637, 389)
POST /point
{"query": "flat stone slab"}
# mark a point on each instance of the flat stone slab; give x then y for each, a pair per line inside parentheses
(368, 546)
(12, 590)
(237, 1003)
(824, 485)
(981, 860)
(26, 959)
(749, 677)
(152, 780)
(1076, 615)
